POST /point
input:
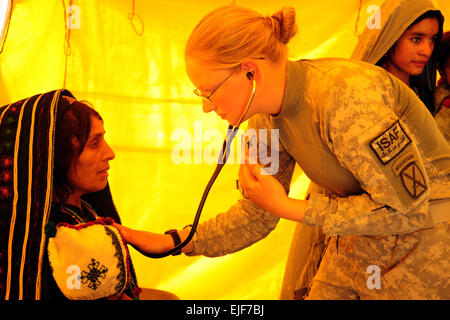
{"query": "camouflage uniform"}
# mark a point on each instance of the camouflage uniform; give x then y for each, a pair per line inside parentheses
(395, 16)
(369, 142)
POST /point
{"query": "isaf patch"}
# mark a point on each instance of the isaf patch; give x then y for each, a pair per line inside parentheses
(413, 180)
(390, 143)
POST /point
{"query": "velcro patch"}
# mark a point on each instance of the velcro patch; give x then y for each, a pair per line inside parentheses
(402, 162)
(413, 180)
(390, 143)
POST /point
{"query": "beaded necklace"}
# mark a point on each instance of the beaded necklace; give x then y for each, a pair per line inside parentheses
(73, 214)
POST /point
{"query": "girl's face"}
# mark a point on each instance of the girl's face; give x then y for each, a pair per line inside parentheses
(89, 172)
(414, 48)
(230, 90)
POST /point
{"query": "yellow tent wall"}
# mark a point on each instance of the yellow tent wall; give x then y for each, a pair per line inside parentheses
(131, 69)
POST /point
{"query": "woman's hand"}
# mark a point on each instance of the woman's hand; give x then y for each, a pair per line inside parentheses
(266, 192)
(146, 241)
(263, 190)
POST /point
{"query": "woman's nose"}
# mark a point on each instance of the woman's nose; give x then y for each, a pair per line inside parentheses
(109, 153)
(427, 48)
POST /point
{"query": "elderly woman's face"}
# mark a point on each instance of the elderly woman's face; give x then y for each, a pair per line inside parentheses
(89, 172)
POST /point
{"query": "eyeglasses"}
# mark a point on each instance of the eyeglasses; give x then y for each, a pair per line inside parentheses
(198, 93)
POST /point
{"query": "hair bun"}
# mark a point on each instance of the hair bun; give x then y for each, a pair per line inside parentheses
(284, 24)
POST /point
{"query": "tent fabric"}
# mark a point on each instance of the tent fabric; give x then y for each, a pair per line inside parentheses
(131, 68)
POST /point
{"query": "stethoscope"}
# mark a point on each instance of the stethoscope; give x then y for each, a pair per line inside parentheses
(225, 152)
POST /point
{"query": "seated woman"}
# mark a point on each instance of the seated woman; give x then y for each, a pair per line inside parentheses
(80, 182)
(57, 240)
(53, 152)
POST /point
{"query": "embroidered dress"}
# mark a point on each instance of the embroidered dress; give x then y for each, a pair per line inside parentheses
(92, 272)
(27, 131)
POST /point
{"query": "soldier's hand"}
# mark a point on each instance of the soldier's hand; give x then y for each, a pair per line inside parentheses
(263, 190)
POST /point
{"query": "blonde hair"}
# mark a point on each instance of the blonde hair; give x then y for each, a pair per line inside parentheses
(230, 34)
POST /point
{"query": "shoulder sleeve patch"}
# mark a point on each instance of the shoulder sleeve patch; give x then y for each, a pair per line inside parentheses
(402, 162)
(390, 143)
(413, 180)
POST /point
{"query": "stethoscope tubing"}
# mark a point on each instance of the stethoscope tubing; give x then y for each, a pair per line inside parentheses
(223, 157)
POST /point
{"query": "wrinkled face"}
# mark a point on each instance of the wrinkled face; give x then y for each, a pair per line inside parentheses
(414, 48)
(229, 98)
(89, 172)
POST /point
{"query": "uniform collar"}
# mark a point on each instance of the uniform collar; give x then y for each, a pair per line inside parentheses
(294, 91)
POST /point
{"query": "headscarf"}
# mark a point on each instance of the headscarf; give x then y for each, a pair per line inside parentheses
(396, 16)
(27, 130)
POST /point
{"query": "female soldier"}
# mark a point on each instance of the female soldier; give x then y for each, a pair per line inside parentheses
(355, 130)
(406, 45)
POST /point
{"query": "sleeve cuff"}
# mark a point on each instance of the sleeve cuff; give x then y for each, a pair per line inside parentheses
(319, 206)
(194, 240)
